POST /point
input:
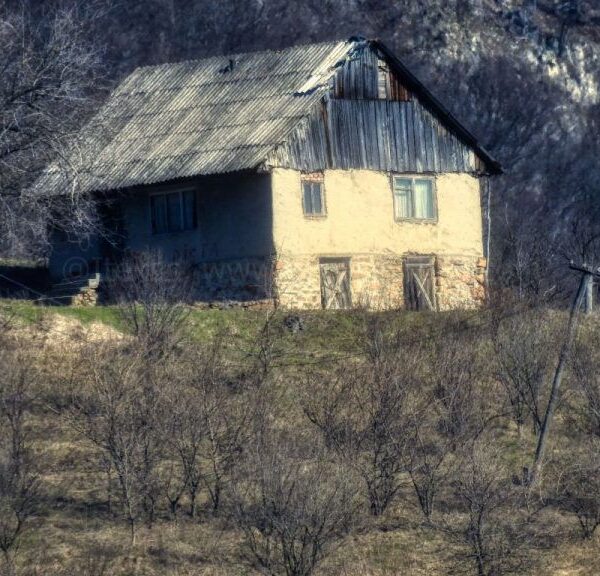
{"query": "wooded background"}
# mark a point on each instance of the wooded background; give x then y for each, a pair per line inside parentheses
(522, 75)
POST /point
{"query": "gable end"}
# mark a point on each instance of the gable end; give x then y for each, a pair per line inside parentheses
(375, 117)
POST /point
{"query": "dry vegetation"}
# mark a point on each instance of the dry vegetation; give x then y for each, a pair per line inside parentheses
(361, 444)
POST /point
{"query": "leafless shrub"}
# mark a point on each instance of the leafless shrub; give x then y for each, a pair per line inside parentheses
(226, 420)
(292, 505)
(7, 319)
(19, 480)
(454, 405)
(364, 414)
(586, 373)
(579, 487)
(489, 525)
(153, 297)
(427, 462)
(115, 404)
(207, 423)
(523, 346)
(455, 380)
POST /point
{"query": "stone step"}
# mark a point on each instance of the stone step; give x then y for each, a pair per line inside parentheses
(73, 291)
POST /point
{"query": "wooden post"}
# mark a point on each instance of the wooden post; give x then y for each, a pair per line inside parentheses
(589, 297)
(586, 280)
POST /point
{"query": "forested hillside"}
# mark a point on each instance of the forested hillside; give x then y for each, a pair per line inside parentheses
(521, 74)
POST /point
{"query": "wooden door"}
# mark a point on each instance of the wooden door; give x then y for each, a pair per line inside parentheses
(335, 284)
(419, 283)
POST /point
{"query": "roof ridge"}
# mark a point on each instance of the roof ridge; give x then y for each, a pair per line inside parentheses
(334, 42)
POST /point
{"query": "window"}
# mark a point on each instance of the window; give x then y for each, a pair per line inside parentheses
(312, 196)
(414, 198)
(173, 211)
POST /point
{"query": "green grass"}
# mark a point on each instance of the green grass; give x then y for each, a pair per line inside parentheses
(108, 315)
(323, 334)
(28, 313)
(21, 310)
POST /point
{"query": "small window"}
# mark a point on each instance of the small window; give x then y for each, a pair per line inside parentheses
(414, 198)
(312, 197)
(173, 211)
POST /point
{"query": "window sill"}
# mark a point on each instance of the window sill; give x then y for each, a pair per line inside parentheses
(315, 216)
(416, 220)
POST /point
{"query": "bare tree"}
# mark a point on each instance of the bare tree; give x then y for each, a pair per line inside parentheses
(153, 296)
(489, 526)
(292, 505)
(427, 462)
(226, 419)
(579, 487)
(523, 345)
(585, 368)
(206, 423)
(115, 404)
(19, 480)
(50, 71)
(455, 380)
(185, 435)
(364, 414)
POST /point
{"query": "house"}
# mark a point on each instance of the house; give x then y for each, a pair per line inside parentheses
(323, 175)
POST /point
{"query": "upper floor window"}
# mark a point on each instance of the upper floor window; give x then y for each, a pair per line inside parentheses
(313, 201)
(173, 211)
(414, 198)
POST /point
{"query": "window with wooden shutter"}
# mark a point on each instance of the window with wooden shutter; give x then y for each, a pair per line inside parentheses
(419, 283)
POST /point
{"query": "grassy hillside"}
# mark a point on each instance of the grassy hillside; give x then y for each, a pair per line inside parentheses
(77, 524)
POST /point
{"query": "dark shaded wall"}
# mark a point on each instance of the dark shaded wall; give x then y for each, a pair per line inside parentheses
(234, 223)
(234, 220)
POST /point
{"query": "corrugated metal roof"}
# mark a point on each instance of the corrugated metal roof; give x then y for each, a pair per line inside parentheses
(216, 115)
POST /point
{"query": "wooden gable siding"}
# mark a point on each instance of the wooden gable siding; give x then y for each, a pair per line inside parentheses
(382, 135)
(355, 128)
(367, 76)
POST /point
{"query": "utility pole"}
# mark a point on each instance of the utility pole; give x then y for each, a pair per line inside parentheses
(587, 278)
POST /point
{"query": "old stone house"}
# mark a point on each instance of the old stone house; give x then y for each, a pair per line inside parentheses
(323, 175)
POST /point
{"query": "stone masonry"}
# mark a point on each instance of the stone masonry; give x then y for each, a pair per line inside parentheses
(377, 281)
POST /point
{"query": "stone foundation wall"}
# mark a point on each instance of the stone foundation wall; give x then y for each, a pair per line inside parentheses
(297, 282)
(377, 281)
(245, 279)
(460, 282)
(246, 282)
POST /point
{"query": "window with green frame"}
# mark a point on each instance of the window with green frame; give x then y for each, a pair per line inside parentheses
(414, 198)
